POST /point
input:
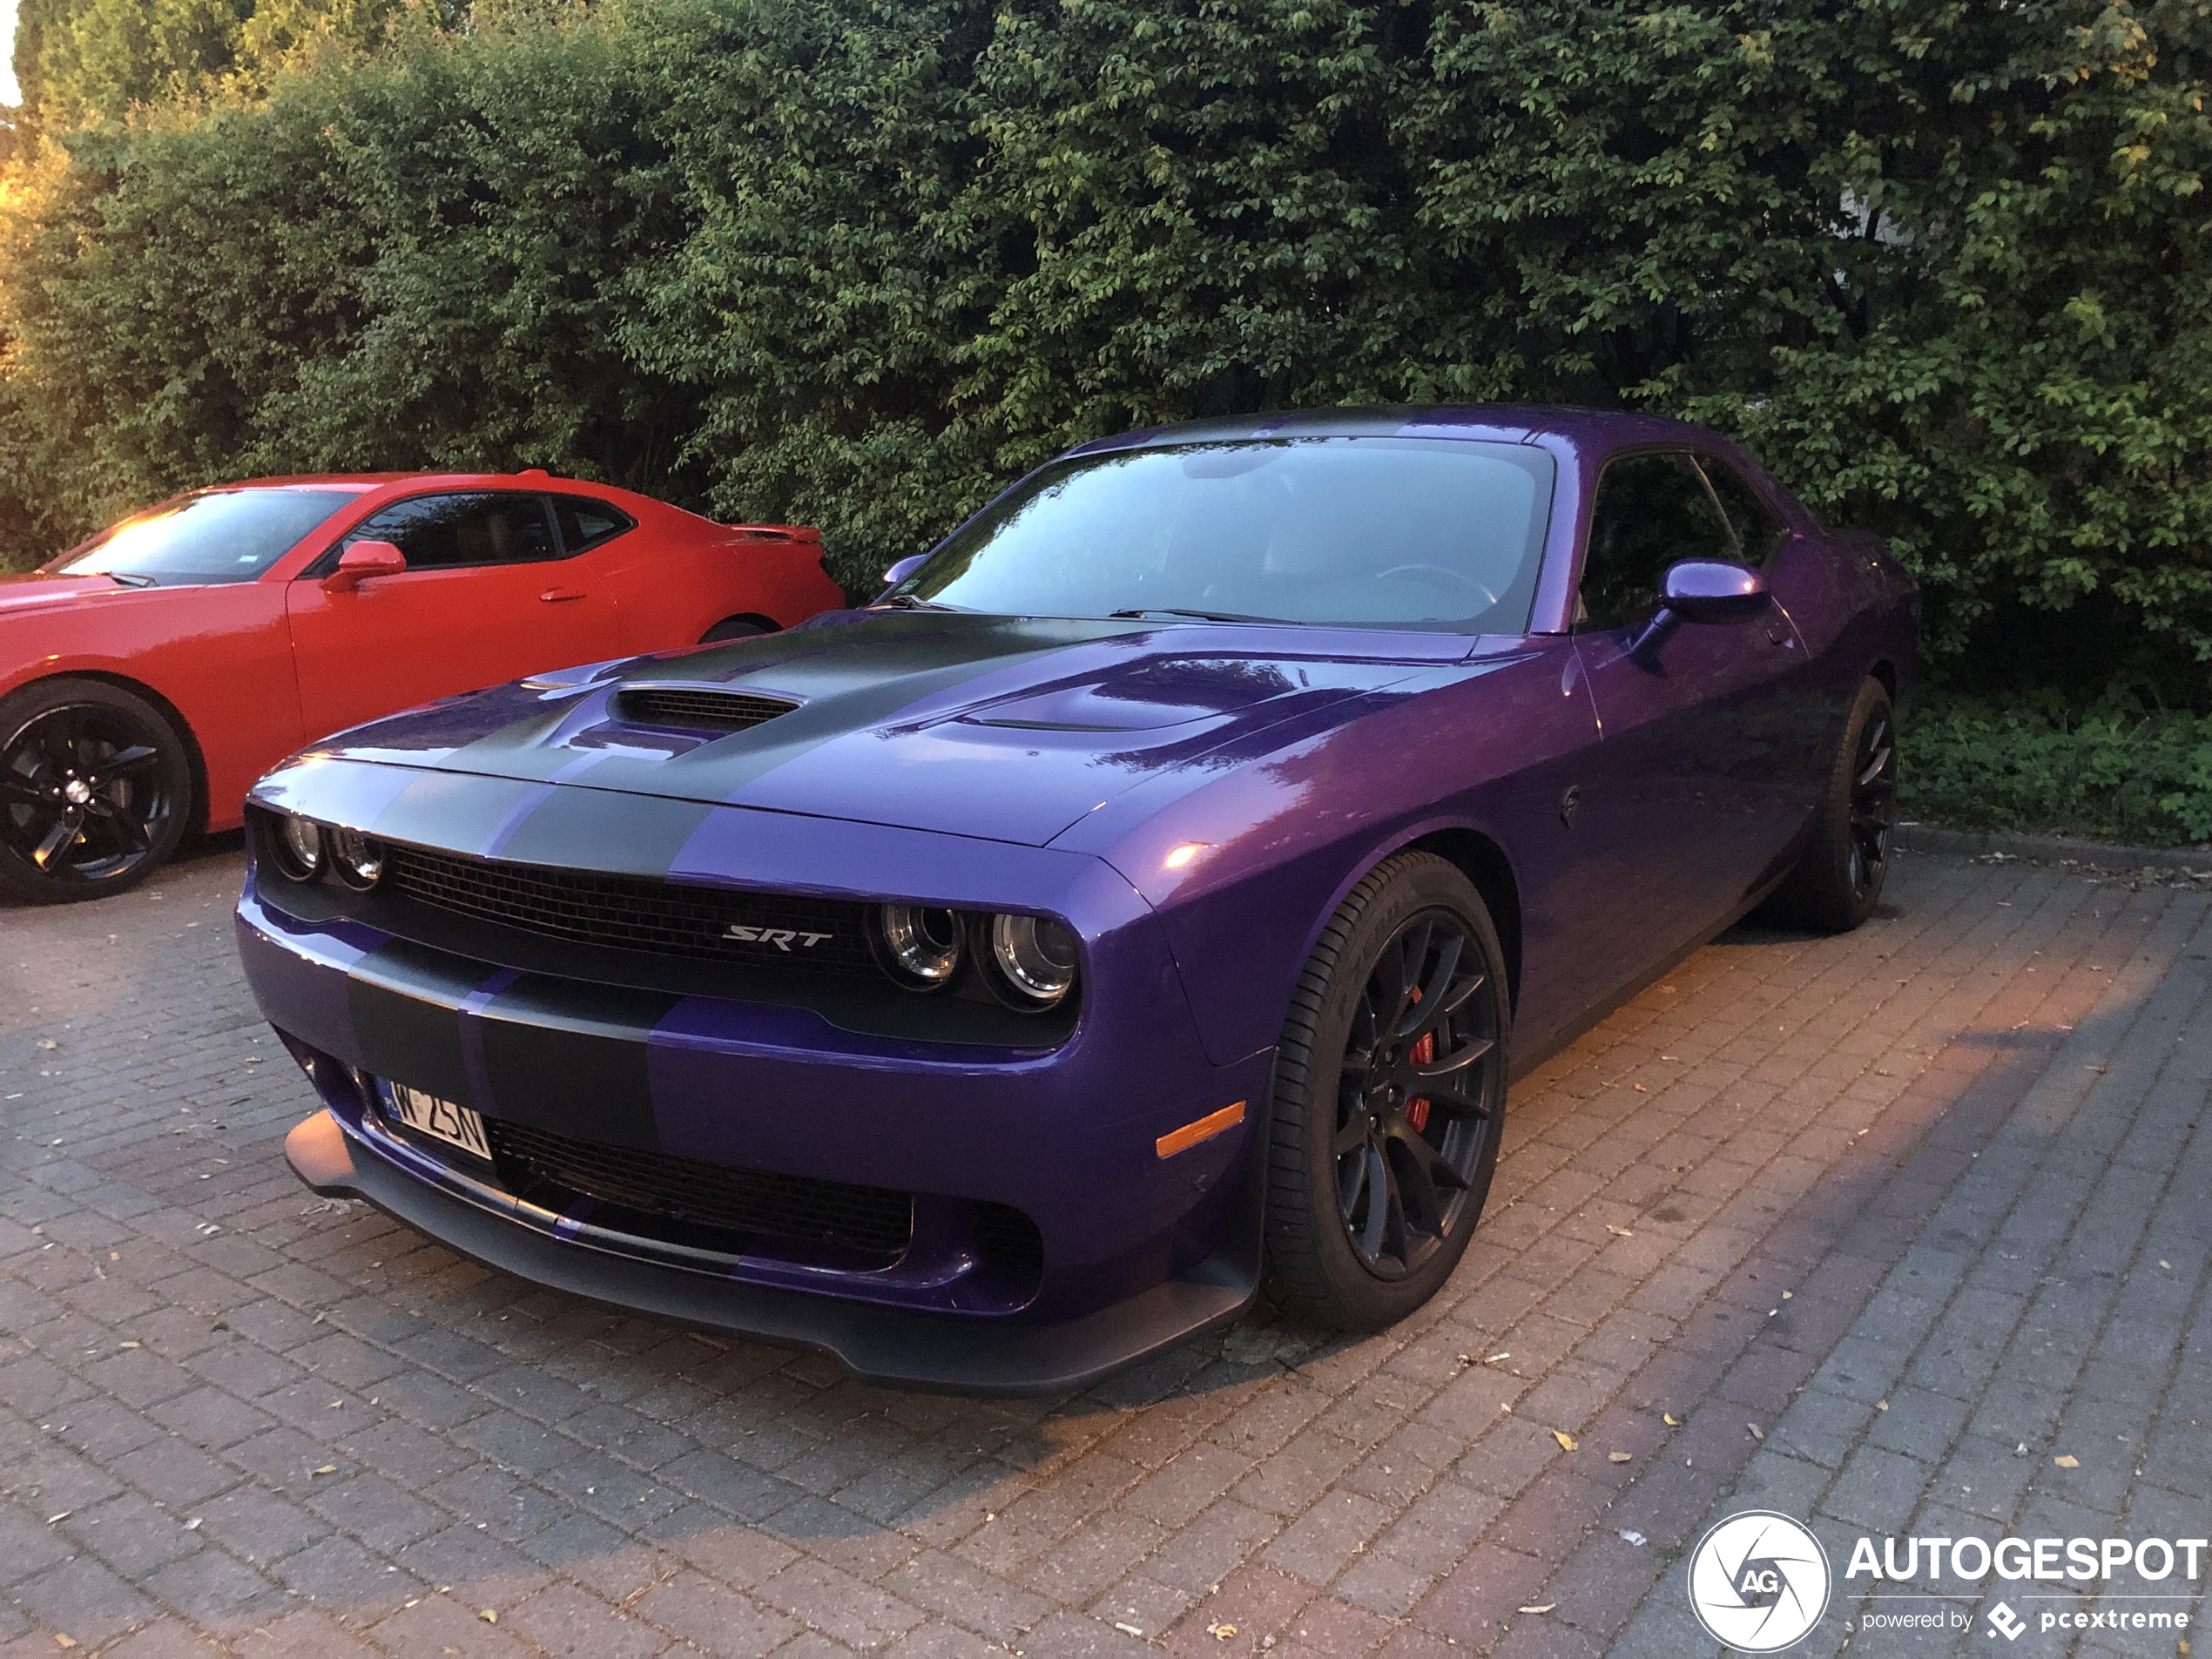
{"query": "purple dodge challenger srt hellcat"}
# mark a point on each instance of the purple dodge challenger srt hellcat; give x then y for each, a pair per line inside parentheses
(1154, 890)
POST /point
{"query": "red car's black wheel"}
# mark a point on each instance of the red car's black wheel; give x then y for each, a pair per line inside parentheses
(95, 789)
(736, 628)
(1390, 1097)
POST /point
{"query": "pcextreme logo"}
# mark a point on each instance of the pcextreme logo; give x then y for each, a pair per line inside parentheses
(1758, 1581)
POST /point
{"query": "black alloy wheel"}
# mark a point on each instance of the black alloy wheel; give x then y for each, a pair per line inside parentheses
(95, 789)
(1390, 1097)
(1414, 1110)
(1838, 877)
(1872, 804)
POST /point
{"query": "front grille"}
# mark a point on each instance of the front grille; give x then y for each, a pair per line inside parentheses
(691, 709)
(628, 912)
(729, 1206)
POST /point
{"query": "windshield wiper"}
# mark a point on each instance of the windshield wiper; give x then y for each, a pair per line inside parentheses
(1201, 616)
(908, 602)
(130, 578)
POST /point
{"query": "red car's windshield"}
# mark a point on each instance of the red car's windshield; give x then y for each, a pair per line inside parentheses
(225, 535)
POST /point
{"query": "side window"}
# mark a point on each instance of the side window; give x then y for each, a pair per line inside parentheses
(448, 532)
(586, 522)
(1652, 510)
(1758, 532)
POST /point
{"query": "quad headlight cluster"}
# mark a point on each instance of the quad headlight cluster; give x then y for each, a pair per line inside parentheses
(1029, 960)
(305, 850)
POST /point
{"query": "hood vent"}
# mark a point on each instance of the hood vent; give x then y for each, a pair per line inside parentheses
(694, 708)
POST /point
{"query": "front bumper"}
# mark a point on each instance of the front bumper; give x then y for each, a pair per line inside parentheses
(1140, 1248)
(933, 1353)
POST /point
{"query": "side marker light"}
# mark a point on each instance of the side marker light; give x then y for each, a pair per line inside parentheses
(1205, 1129)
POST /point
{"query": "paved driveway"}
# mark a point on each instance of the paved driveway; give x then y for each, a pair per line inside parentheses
(1868, 1230)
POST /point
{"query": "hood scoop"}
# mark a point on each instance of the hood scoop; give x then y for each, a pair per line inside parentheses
(697, 708)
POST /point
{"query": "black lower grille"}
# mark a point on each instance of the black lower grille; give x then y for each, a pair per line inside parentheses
(628, 912)
(728, 1205)
(1007, 1237)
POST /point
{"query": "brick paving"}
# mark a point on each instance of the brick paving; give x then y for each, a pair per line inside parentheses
(1882, 1224)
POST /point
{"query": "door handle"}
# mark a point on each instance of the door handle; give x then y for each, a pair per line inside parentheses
(561, 596)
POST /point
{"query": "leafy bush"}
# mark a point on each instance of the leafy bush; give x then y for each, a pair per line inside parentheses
(2118, 771)
(1942, 265)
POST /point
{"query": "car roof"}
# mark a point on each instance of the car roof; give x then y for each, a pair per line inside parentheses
(367, 481)
(1496, 423)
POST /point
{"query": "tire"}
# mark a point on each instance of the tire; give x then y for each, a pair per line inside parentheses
(95, 790)
(1837, 881)
(734, 628)
(1346, 1124)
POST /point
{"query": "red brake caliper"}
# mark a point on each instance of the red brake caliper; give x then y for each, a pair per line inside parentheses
(1420, 1054)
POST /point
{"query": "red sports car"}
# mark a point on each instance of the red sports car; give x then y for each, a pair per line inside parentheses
(149, 676)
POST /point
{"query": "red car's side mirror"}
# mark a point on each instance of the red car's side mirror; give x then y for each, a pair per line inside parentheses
(361, 561)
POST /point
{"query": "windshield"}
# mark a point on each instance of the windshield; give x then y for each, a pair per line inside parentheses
(1391, 532)
(225, 536)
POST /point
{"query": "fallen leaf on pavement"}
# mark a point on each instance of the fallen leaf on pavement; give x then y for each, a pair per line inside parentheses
(2068, 1461)
(1546, 1608)
(1670, 1420)
(1616, 1457)
(1566, 1440)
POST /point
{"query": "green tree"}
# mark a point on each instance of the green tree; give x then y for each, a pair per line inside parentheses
(859, 261)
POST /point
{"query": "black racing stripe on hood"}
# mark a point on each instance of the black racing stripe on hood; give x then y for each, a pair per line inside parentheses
(593, 829)
(442, 809)
(846, 678)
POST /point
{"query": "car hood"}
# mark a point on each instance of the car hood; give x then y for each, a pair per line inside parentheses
(35, 590)
(1005, 728)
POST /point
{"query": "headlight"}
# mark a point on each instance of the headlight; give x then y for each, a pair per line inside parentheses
(1036, 957)
(358, 859)
(921, 945)
(299, 848)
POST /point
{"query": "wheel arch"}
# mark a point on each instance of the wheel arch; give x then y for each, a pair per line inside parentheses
(766, 624)
(1484, 863)
(196, 816)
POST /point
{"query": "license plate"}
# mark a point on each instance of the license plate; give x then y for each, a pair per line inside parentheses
(441, 1120)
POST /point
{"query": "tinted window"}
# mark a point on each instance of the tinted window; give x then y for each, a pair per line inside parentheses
(1403, 532)
(585, 522)
(444, 532)
(1758, 532)
(1651, 511)
(225, 536)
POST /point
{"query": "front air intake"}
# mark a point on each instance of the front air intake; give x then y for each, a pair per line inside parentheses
(692, 708)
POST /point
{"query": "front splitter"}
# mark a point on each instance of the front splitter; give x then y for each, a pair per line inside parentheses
(935, 1353)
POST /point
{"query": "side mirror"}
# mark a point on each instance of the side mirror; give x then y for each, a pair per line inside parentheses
(1702, 590)
(902, 569)
(1714, 590)
(361, 561)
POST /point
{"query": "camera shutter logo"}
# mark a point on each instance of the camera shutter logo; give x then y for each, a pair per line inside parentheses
(1758, 1581)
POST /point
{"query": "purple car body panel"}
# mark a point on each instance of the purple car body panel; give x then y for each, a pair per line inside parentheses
(1192, 799)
